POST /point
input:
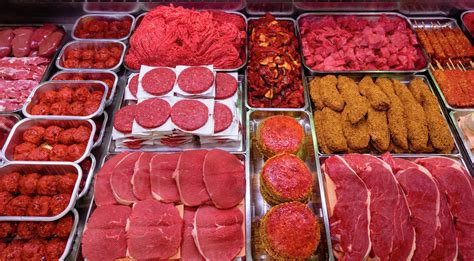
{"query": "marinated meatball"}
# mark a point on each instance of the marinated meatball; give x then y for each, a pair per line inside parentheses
(71, 63)
(85, 64)
(46, 229)
(76, 108)
(66, 137)
(39, 206)
(82, 94)
(91, 106)
(23, 150)
(13, 251)
(48, 185)
(9, 182)
(96, 95)
(67, 182)
(35, 249)
(2, 247)
(65, 94)
(17, 206)
(115, 52)
(111, 62)
(39, 154)
(58, 153)
(59, 203)
(64, 226)
(49, 97)
(34, 135)
(77, 77)
(58, 108)
(99, 65)
(52, 133)
(27, 183)
(27, 230)
(5, 199)
(73, 54)
(75, 151)
(87, 54)
(40, 109)
(7, 229)
(82, 134)
(55, 249)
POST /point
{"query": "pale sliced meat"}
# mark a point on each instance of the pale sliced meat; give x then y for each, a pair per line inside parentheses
(224, 177)
(163, 185)
(189, 251)
(141, 177)
(189, 178)
(218, 233)
(349, 211)
(103, 194)
(121, 179)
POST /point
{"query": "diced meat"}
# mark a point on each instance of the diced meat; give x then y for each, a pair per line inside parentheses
(103, 192)
(189, 178)
(121, 179)
(141, 177)
(163, 185)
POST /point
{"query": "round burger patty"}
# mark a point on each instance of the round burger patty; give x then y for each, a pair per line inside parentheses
(133, 85)
(189, 114)
(195, 80)
(226, 85)
(123, 120)
(152, 113)
(278, 134)
(159, 81)
(222, 117)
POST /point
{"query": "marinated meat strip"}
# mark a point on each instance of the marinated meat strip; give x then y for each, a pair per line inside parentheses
(395, 115)
(465, 43)
(438, 49)
(425, 41)
(457, 46)
(456, 86)
(330, 94)
(378, 129)
(315, 93)
(332, 131)
(357, 135)
(447, 48)
(376, 97)
(356, 104)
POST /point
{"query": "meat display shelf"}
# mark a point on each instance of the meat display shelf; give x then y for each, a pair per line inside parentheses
(455, 116)
(106, 16)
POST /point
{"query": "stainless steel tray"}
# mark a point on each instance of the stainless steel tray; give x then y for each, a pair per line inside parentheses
(83, 43)
(94, 75)
(256, 205)
(441, 94)
(433, 22)
(106, 16)
(98, 142)
(111, 7)
(49, 168)
(89, 177)
(305, 87)
(404, 79)
(464, 27)
(455, 115)
(16, 135)
(35, 95)
(72, 235)
(369, 16)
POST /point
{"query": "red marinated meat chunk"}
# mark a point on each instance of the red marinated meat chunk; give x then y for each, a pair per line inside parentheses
(34, 249)
(55, 249)
(39, 154)
(27, 230)
(23, 150)
(64, 227)
(52, 134)
(59, 203)
(66, 183)
(58, 153)
(7, 229)
(46, 229)
(34, 135)
(39, 206)
(28, 183)
(48, 185)
(9, 182)
(17, 206)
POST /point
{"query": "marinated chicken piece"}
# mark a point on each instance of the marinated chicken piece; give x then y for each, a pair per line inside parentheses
(34, 135)
(376, 97)
(27, 230)
(5, 198)
(23, 150)
(315, 93)
(7, 229)
(81, 134)
(48, 185)
(52, 134)
(378, 129)
(55, 249)
(39, 154)
(66, 183)
(356, 104)
(329, 93)
(17, 206)
(357, 135)
(28, 182)
(64, 227)
(9, 182)
(59, 203)
(39, 206)
(34, 249)
(332, 131)
(46, 229)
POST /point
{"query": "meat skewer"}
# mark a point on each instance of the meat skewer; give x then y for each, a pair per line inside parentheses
(425, 41)
(444, 43)
(439, 53)
(451, 37)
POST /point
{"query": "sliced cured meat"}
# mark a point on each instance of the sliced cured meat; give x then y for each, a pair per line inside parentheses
(226, 85)
(222, 117)
(121, 179)
(384, 203)
(189, 178)
(218, 234)
(152, 113)
(224, 177)
(163, 185)
(123, 120)
(189, 115)
(154, 230)
(189, 250)
(109, 217)
(103, 194)
(159, 81)
(349, 226)
(195, 80)
(133, 85)
(141, 177)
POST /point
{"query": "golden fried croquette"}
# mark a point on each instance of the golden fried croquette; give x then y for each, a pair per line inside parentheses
(333, 135)
(318, 126)
(378, 129)
(356, 104)
(315, 93)
(376, 97)
(329, 93)
(357, 135)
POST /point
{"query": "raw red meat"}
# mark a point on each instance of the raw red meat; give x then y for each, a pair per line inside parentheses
(446, 242)
(159, 81)
(6, 37)
(224, 177)
(103, 194)
(123, 120)
(141, 177)
(109, 217)
(226, 85)
(50, 45)
(133, 85)
(195, 80)
(22, 41)
(40, 34)
(189, 115)
(121, 179)
(24, 68)
(223, 117)
(189, 250)
(6, 124)
(152, 113)
(163, 185)
(349, 226)
(218, 234)
(189, 178)
(154, 231)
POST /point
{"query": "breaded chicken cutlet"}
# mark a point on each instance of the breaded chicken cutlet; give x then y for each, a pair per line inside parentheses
(356, 104)
(357, 135)
(331, 131)
(378, 129)
(330, 94)
(315, 93)
(376, 97)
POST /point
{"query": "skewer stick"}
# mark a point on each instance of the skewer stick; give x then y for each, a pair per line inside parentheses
(451, 62)
(439, 66)
(462, 66)
(432, 67)
(472, 64)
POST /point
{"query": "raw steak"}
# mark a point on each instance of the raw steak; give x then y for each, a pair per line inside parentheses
(121, 179)
(218, 234)
(141, 177)
(103, 194)
(189, 250)
(109, 217)
(189, 178)
(349, 210)
(446, 242)
(163, 185)
(154, 230)
(224, 177)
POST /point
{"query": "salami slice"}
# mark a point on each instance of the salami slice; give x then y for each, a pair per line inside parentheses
(123, 120)
(226, 85)
(159, 81)
(222, 117)
(152, 113)
(133, 85)
(195, 80)
(189, 115)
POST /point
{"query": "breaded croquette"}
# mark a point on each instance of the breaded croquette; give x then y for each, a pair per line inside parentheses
(356, 104)
(318, 126)
(315, 93)
(376, 97)
(378, 129)
(333, 135)
(329, 93)
(357, 135)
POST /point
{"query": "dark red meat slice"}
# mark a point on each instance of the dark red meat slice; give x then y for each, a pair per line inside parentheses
(121, 179)
(103, 194)
(189, 178)
(41, 34)
(189, 250)
(133, 85)
(163, 185)
(6, 37)
(22, 41)
(49, 46)
(152, 113)
(189, 115)
(195, 80)
(159, 81)
(224, 177)
(226, 85)
(123, 120)
(141, 177)
(222, 117)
